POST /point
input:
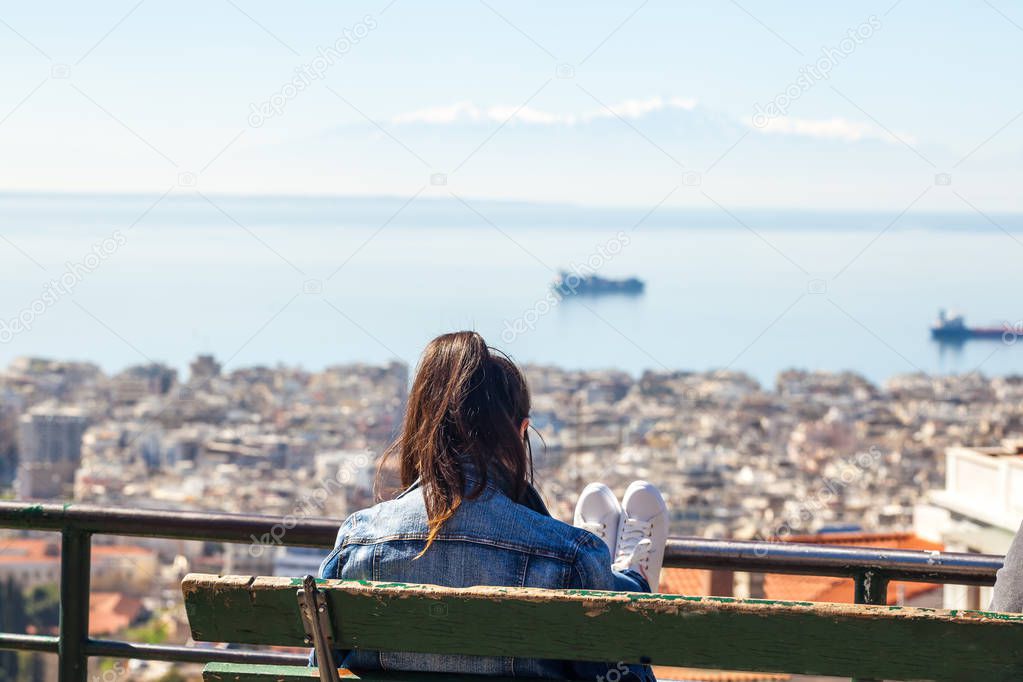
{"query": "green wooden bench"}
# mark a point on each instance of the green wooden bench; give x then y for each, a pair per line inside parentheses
(883, 642)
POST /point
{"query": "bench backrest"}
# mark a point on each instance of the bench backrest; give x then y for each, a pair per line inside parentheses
(886, 642)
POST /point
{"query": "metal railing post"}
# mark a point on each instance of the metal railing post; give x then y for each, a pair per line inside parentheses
(75, 563)
(871, 588)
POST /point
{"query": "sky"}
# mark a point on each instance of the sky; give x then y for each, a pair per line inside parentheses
(894, 106)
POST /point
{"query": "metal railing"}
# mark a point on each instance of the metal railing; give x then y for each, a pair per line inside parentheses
(870, 568)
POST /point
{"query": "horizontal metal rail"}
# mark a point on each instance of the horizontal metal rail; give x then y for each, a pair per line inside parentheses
(871, 568)
(177, 525)
(832, 560)
(737, 555)
(49, 644)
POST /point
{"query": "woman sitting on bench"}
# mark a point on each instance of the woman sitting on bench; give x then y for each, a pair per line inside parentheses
(470, 515)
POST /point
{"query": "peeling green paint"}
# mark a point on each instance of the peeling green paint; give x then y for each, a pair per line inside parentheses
(239, 672)
(839, 640)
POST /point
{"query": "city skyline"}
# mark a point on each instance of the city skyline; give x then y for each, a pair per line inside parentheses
(730, 286)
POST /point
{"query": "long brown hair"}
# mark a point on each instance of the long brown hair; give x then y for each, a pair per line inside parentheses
(467, 405)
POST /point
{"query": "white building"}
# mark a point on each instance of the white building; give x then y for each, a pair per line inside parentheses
(49, 451)
(979, 510)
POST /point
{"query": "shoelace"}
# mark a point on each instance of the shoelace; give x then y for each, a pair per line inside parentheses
(641, 556)
(598, 529)
(638, 560)
(633, 530)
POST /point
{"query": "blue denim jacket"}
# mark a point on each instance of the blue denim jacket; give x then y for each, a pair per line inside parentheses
(490, 540)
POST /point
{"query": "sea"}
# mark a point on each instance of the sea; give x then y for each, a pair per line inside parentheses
(318, 281)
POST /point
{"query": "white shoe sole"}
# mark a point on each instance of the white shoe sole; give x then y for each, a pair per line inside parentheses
(645, 502)
(603, 507)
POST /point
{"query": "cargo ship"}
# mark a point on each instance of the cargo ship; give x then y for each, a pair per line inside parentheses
(953, 328)
(572, 284)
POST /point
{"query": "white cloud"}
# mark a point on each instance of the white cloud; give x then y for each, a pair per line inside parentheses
(530, 115)
(460, 111)
(836, 128)
(831, 128)
(463, 112)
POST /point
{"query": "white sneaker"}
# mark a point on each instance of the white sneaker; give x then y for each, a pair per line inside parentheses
(636, 560)
(599, 512)
(644, 517)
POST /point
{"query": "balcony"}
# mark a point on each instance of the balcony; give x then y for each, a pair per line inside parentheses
(984, 484)
(871, 569)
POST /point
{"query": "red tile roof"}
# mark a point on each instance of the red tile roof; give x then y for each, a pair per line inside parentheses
(691, 581)
(38, 550)
(111, 612)
(697, 583)
(25, 551)
(842, 590)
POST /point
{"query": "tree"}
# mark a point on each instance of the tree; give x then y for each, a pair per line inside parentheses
(42, 606)
(40, 609)
(12, 619)
(33, 668)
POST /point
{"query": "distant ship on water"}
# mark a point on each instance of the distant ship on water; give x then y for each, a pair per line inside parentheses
(572, 284)
(952, 328)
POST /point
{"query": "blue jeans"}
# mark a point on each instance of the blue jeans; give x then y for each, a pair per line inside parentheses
(630, 581)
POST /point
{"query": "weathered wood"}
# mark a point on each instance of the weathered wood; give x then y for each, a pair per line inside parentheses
(232, 672)
(720, 633)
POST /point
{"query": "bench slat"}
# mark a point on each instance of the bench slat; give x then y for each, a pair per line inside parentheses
(671, 630)
(236, 672)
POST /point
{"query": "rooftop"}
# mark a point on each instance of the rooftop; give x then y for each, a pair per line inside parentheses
(699, 582)
(48, 551)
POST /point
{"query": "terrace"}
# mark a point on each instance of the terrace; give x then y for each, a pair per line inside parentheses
(872, 569)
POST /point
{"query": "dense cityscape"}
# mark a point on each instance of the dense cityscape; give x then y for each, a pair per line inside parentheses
(815, 452)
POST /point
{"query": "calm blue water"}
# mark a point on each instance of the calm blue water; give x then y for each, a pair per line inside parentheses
(189, 279)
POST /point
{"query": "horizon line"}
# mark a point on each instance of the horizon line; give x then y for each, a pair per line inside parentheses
(524, 203)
